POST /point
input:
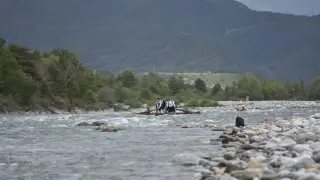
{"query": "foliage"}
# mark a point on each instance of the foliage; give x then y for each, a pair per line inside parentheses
(30, 79)
(216, 89)
(200, 85)
(176, 84)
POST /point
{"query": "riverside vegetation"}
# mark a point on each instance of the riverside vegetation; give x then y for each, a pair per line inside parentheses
(31, 80)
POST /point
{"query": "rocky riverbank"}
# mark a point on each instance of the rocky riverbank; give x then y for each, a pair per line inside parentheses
(119, 107)
(275, 149)
(270, 104)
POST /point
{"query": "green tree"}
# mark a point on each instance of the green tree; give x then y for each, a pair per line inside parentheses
(127, 78)
(314, 90)
(163, 89)
(2, 42)
(293, 89)
(249, 86)
(200, 85)
(11, 76)
(274, 91)
(176, 84)
(145, 94)
(216, 89)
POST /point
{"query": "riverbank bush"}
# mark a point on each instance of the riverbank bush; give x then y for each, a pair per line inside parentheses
(33, 80)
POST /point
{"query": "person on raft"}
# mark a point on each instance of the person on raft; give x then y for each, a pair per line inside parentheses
(171, 107)
(158, 104)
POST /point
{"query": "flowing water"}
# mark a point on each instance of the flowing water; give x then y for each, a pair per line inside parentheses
(40, 147)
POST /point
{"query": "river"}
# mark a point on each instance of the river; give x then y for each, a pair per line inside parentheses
(40, 147)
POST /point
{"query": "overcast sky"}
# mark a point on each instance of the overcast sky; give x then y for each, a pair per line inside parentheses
(307, 7)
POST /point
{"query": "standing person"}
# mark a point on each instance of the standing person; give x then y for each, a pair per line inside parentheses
(171, 106)
(163, 106)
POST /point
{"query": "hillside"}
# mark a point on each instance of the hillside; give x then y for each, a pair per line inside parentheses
(172, 35)
(209, 78)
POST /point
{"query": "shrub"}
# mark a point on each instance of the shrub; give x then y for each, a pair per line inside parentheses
(192, 103)
(133, 103)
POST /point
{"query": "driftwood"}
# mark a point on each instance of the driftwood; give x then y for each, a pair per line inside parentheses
(183, 111)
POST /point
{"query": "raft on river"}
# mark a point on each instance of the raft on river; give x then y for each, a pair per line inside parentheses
(178, 112)
(241, 109)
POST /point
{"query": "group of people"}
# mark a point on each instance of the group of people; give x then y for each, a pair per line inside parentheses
(167, 106)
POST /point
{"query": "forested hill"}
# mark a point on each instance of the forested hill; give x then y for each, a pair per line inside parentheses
(171, 35)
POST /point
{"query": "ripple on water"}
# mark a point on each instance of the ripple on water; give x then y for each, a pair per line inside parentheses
(52, 147)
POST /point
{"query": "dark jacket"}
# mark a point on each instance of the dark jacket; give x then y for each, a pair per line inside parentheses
(239, 121)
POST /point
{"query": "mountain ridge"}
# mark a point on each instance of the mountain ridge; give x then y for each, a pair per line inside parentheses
(173, 36)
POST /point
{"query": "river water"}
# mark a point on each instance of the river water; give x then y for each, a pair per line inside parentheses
(40, 147)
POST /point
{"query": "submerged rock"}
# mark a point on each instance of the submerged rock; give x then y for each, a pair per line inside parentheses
(104, 128)
(98, 123)
(83, 124)
(110, 129)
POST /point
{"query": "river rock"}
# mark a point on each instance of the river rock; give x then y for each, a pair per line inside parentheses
(186, 159)
(248, 146)
(226, 177)
(144, 106)
(302, 148)
(234, 165)
(275, 128)
(316, 116)
(297, 122)
(247, 174)
(287, 143)
(98, 123)
(83, 124)
(303, 138)
(307, 176)
(203, 171)
(218, 129)
(303, 162)
(272, 134)
(209, 178)
(121, 107)
(229, 156)
(269, 120)
(110, 129)
(316, 157)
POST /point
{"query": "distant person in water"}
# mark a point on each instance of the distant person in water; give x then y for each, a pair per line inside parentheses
(171, 107)
(239, 121)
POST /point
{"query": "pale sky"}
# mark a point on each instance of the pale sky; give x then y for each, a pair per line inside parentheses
(306, 7)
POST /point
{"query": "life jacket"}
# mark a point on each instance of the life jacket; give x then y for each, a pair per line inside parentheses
(158, 104)
(171, 104)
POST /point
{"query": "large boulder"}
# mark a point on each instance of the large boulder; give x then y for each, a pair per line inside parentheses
(121, 107)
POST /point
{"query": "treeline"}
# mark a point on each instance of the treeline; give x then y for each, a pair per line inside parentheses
(34, 80)
(261, 89)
